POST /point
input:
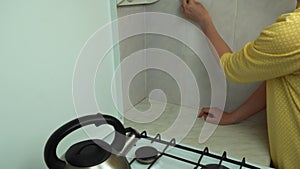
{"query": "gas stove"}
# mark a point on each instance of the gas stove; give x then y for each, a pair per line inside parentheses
(155, 153)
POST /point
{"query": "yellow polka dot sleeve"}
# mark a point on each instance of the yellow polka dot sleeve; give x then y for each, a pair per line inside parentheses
(275, 57)
(273, 54)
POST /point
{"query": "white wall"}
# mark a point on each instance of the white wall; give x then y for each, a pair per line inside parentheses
(39, 43)
(238, 21)
(128, 46)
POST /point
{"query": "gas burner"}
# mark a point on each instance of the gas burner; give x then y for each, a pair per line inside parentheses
(151, 153)
(214, 166)
(146, 154)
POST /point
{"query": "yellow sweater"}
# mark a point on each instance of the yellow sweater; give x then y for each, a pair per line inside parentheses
(275, 57)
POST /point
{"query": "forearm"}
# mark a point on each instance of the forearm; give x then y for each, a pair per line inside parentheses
(254, 104)
(210, 31)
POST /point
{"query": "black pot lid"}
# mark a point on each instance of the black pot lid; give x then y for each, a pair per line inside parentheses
(88, 153)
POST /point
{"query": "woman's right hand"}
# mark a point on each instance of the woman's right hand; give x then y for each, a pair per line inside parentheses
(217, 116)
(195, 11)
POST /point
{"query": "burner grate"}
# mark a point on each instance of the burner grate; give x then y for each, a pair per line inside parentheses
(197, 164)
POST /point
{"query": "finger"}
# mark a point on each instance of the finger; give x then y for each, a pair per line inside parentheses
(205, 109)
(205, 117)
(184, 3)
(211, 120)
(203, 112)
(191, 2)
(210, 115)
(202, 115)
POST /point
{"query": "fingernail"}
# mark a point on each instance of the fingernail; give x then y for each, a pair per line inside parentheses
(209, 114)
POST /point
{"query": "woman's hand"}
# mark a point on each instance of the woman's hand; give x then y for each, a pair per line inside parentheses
(212, 115)
(195, 11)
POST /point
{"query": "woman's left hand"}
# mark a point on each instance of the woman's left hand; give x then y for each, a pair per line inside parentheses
(217, 116)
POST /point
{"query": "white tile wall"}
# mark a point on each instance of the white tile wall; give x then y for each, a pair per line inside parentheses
(238, 21)
(254, 15)
(128, 46)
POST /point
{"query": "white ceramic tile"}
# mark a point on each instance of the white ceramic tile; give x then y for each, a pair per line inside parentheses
(136, 91)
(159, 80)
(166, 6)
(133, 78)
(168, 30)
(180, 27)
(130, 45)
(164, 75)
(238, 94)
(123, 11)
(254, 15)
(238, 21)
(223, 14)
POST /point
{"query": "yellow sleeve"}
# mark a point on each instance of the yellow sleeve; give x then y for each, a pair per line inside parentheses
(275, 53)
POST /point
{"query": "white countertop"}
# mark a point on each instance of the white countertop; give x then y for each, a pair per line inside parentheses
(247, 139)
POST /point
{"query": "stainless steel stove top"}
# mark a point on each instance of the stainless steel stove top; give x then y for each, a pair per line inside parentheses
(177, 156)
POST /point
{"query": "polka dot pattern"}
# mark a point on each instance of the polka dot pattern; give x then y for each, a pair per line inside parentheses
(275, 57)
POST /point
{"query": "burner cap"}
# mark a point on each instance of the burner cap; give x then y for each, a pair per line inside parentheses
(146, 155)
(214, 166)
